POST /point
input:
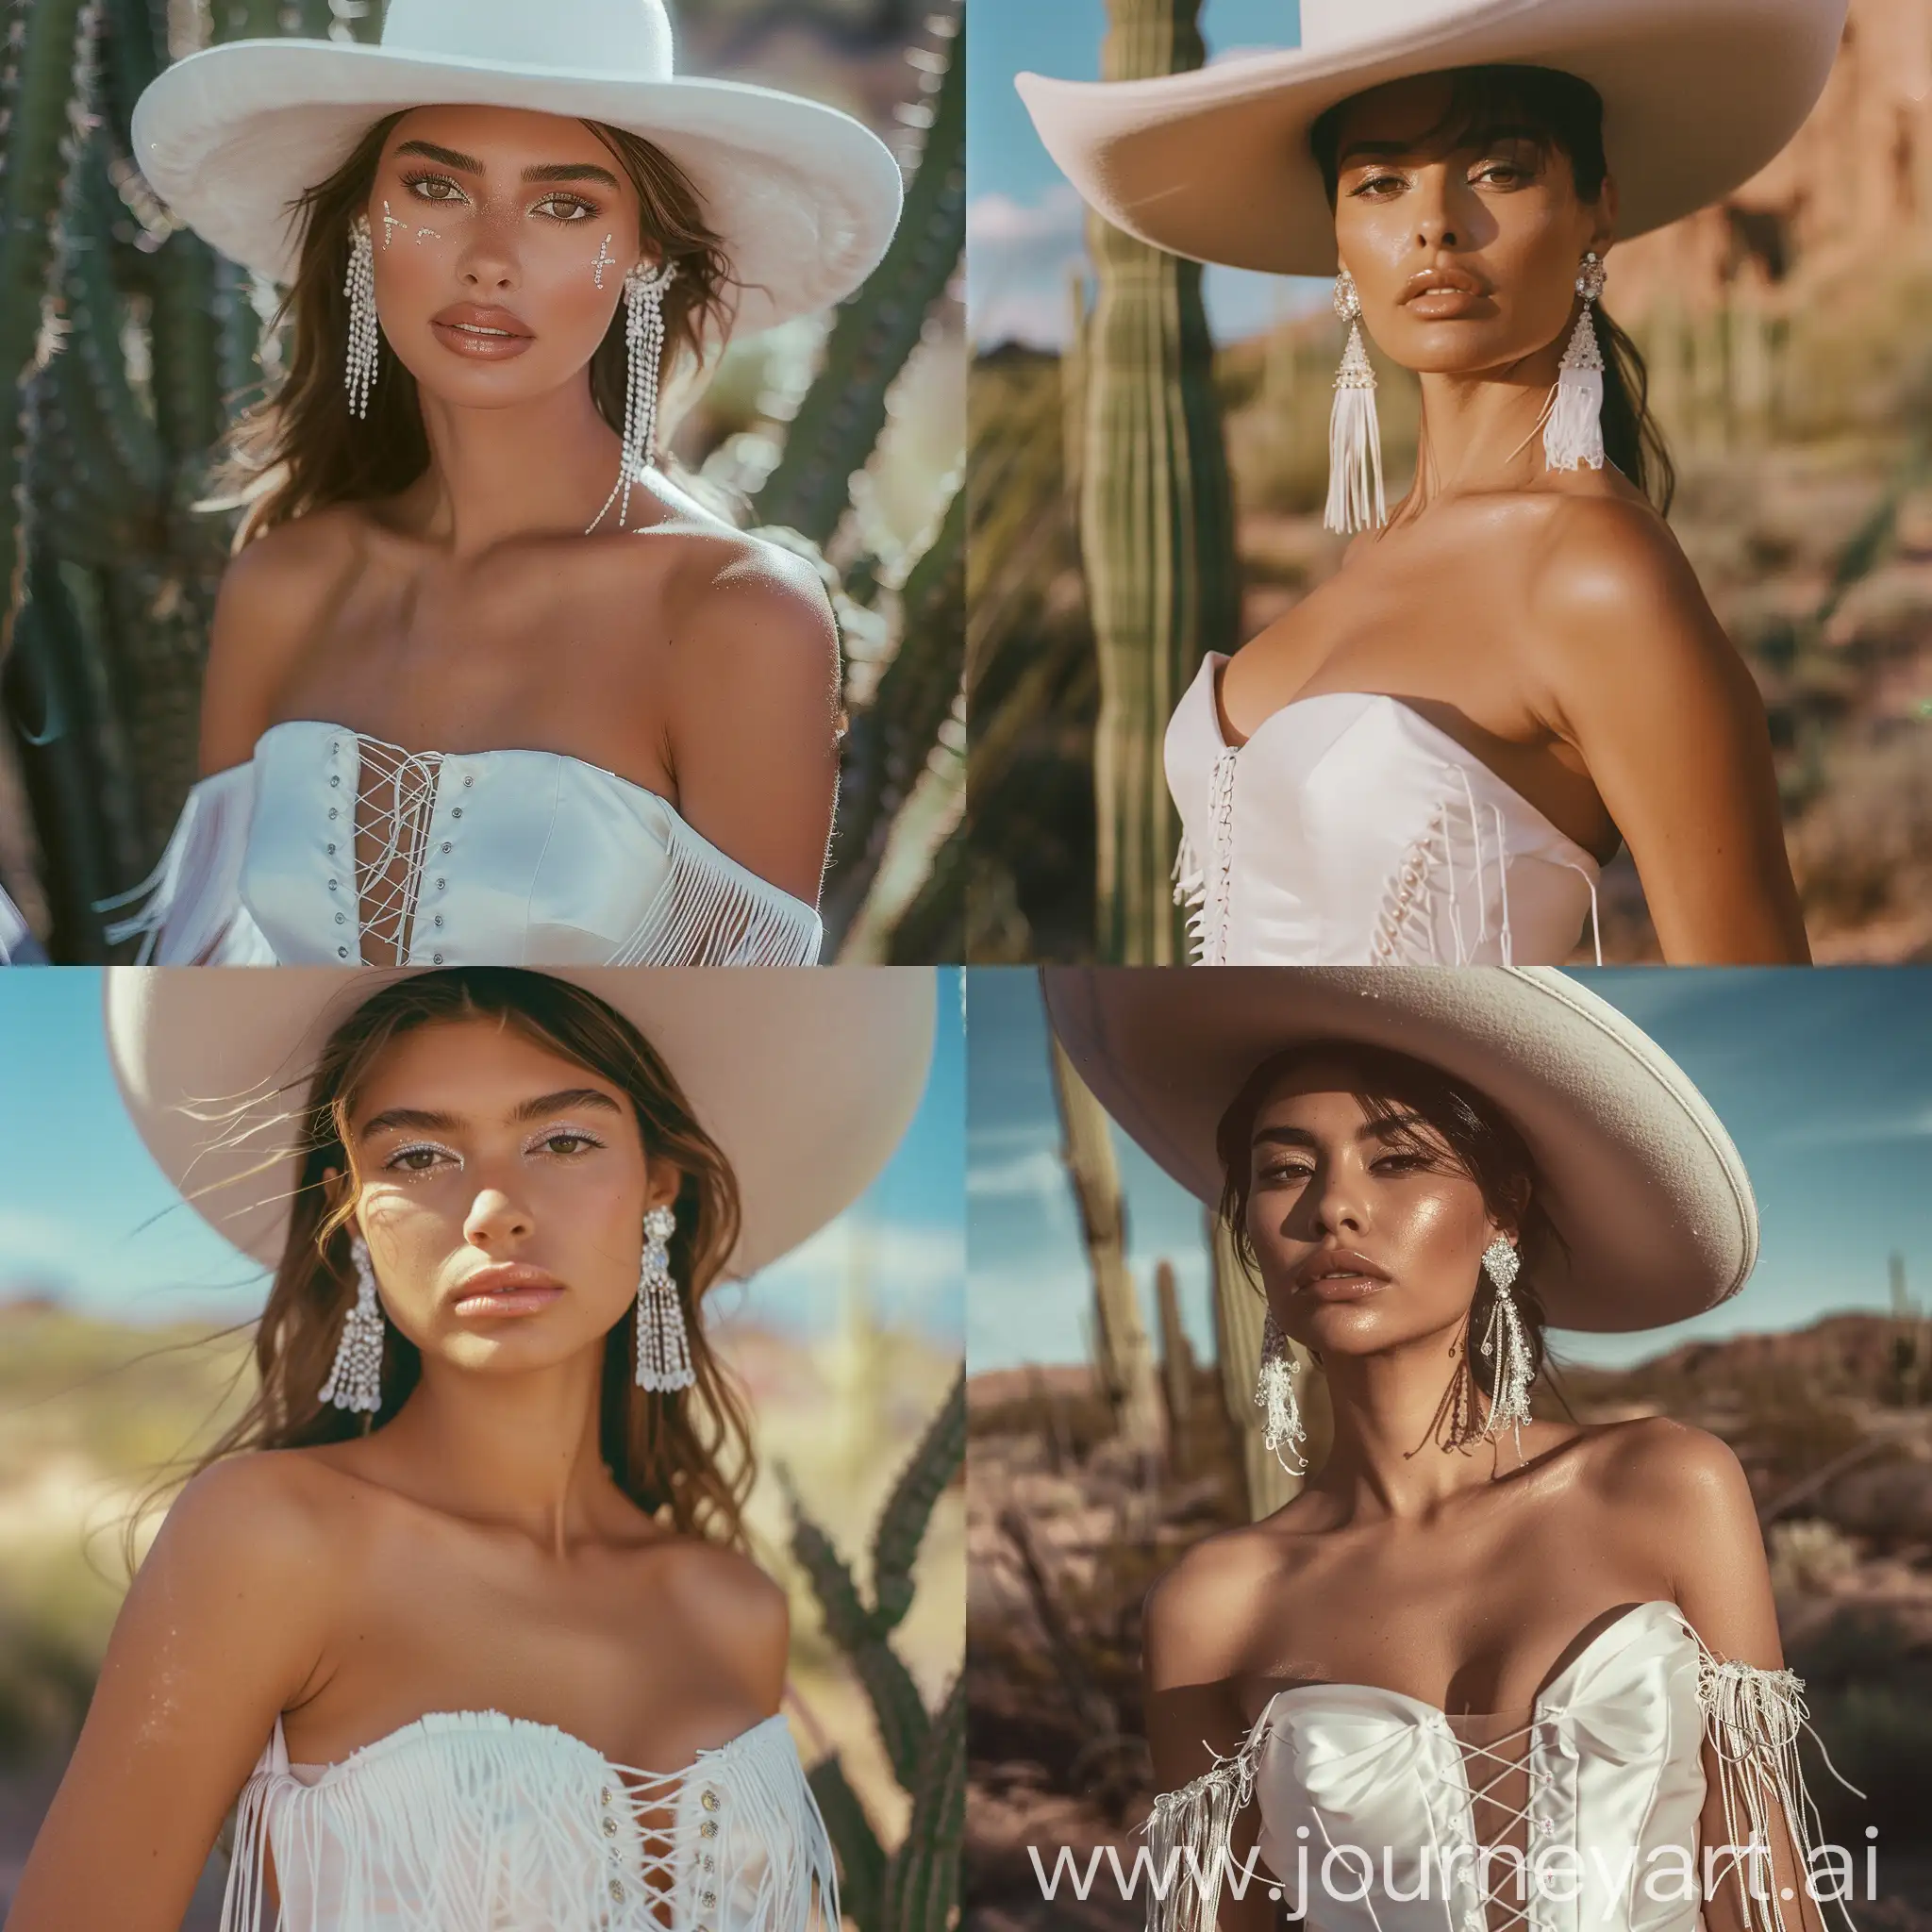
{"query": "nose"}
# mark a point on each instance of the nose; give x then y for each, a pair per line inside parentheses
(495, 1221)
(1338, 1201)
(1435, 218)
(488, 262)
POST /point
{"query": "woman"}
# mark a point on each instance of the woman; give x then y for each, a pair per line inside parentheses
(452, 713)
(475, 1551)
(1493, 1654)
(1431, 758)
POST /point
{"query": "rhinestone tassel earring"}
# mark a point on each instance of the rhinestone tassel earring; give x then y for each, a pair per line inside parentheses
(1356, 499)
(1505, 1346)
(643, 334)
(1574, 436)
(355, 1380)
(664, 1345)
(1276, 1397)
(365, 340)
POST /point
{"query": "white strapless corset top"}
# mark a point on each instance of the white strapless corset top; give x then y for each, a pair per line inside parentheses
(331, 848)
(1350, 831)
(473, 1822)
(1608, 1787)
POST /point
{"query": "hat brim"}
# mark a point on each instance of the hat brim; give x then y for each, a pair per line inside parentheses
(1214, 164)
(806, 1077)
(1639, 1176)
(805, 197)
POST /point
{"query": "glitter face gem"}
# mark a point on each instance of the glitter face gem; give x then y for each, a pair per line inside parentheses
(605, 259)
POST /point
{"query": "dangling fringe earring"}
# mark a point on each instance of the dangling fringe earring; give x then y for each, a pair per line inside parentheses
(643, 334)
(1574, 436)
(355, 1380)
(364, 339)
(1506, 1346)
(663, 1346)
(1356, 501)
(1274, 1396)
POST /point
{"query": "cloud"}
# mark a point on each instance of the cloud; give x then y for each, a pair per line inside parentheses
(32, 1242)
(913, 1272)
(1031, 1175)
(1000, 221)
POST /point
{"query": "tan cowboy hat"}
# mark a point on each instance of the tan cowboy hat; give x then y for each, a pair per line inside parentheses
(806, 1077)
(1638, 1175)
(1215, 164)
(805, 197)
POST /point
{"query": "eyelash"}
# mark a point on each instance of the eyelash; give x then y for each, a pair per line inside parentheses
(415, 182)
(1488, 170)
(1402, 1163)
(397, 1162)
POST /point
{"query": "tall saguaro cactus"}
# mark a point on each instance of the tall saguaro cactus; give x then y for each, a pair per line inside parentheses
(1156, 520)
(1126, 1357)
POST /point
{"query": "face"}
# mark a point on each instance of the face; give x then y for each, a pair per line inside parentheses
(502, 239)
(1466, 260)
(1363, 1241)
(502, 1192)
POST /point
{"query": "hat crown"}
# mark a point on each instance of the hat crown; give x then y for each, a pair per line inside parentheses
(1327, 24)
(623, 39)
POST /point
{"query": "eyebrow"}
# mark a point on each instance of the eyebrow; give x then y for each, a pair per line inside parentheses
(424, 1120)
(1474, 139)
(548, 171)
(1390, 1130)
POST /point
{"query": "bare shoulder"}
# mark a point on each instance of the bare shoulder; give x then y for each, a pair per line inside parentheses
(736, 1614)
(270, 596)
(1197, 1617)
(758, 604)
(1602, 563)
(265, 1524)
(1683, 1480)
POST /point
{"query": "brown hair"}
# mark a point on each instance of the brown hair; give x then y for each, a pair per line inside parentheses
(1477, 1139)
(301, 450)
(1561, 114)
(666, 1451)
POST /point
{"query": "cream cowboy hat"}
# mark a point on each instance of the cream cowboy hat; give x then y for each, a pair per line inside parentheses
(1640, 1177)
(805, 197)
(806, 1077)
(1215, 164)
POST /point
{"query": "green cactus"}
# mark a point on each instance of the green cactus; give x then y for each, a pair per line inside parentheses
(914, 1888)
(1156, 520)
(133, 346)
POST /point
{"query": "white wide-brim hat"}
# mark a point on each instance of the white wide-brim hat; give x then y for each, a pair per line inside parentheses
(1215, 163)
(1638, 1174)
(806, 1077)
(805, 197)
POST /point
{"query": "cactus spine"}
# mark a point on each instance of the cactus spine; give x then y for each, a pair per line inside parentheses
(1156, 520)
(914, 1888)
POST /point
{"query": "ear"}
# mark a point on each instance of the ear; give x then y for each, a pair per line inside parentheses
(1606, 209)
(662, 1181)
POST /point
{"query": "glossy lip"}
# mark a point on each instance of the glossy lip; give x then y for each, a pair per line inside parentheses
(506, 1288)
(454, 326)
(1339, 1275)
(1443, 294)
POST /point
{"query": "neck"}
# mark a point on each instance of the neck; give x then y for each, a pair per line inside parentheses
(1388, 1458)
(518, 1452)
(1482, 433)
(537, 468)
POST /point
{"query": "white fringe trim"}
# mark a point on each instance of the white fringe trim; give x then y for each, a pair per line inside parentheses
(1192, 1830)
(1574, 436)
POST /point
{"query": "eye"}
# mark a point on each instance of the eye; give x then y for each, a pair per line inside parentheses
(567, 1143)
(1378, 181)
(419, 186)
(420, 1157)
(574, 208)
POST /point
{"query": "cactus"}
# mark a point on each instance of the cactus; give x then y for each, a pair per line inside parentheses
(1156, 520)
(133, 346)
(1126, 1355)
(913, 1889)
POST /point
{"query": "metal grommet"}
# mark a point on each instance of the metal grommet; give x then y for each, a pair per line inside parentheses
(439, 919)
(457, 812)
(447, 846)
(342, 952)
(337, 781)
(342, 918)
(609, 1827)
(709, 1798)
(617, 1892)
(436, 959)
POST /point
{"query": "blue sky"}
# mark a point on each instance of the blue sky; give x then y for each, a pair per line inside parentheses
(85, 1213)
(1025, 219)
(1824, 1079)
